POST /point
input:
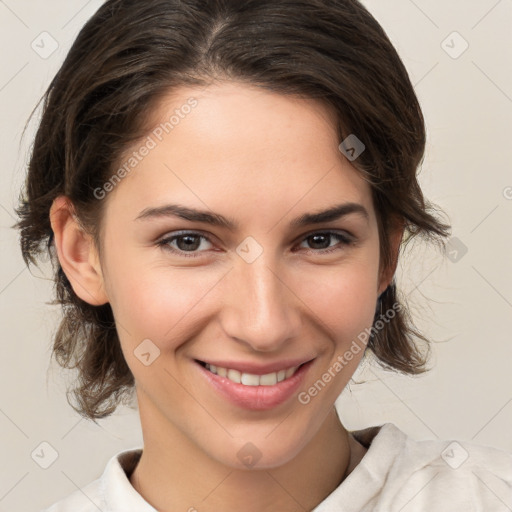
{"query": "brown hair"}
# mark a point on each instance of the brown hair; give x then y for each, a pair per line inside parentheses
(132, 53)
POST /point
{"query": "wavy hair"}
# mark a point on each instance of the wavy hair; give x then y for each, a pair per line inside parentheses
(131, 54)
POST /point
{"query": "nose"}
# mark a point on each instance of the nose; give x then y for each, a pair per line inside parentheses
(260, 308)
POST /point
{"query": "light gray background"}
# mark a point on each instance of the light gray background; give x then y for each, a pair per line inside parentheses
(465, 304)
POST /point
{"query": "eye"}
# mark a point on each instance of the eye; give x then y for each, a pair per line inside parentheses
(183, 243)
(321, 241)
(189, 243)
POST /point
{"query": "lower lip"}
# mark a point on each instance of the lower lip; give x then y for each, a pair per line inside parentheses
(256, 398)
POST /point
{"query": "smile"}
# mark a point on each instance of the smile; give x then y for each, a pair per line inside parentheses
(252, 386)
(251, 379)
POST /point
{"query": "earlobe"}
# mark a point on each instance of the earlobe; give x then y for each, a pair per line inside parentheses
(77, 253)
(395, 239)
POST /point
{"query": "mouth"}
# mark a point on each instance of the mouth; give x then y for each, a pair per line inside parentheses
(255, 387)
(252, 379)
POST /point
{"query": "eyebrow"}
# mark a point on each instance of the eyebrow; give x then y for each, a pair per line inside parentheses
(174, 210)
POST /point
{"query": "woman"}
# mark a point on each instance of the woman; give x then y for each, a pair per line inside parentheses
(225, 187)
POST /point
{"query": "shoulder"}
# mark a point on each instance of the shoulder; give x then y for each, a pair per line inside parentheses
(111, 491)
(399, 473)
(87, 499)
(438, 475)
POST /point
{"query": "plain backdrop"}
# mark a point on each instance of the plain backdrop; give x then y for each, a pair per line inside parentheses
(459, 56)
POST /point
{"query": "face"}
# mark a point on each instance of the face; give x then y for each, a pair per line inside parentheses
(200, 305)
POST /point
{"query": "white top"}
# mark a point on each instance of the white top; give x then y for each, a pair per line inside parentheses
(396, 474)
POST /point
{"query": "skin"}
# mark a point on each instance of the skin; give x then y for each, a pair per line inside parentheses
(261, 159)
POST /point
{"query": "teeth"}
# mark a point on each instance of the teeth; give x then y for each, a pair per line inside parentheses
(249, 379)
(269, 379)
(290, 372)
(234, 375)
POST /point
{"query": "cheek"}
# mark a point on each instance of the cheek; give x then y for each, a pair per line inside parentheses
(343, 296)
(344, 299)
(171, 305)
(157, 303)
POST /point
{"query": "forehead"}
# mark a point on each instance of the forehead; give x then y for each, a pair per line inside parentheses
(233, 145)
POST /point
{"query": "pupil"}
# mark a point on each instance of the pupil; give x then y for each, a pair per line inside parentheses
(325, 239)
(188, 246)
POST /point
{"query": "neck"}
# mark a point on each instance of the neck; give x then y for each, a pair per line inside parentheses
(173, 474)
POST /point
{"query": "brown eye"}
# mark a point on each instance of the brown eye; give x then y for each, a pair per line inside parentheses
(182, 243)
(188, 242)
(321, 242)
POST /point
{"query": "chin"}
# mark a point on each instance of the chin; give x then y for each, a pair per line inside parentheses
(259, 452)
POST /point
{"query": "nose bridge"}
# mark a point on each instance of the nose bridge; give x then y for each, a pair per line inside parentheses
(260, 310)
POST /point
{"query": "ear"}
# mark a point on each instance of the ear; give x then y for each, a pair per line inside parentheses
(77, 253)
(395, 239)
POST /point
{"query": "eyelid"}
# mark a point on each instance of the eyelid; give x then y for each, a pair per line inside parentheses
(210, 237)
(185, 232)
(345, 239)
(165, 240)
(332, 231)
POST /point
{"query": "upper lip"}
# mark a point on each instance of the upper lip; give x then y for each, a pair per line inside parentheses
(257, 368)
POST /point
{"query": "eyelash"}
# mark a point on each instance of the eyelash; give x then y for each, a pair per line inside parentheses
(164, 243)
